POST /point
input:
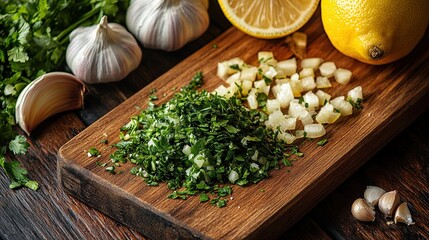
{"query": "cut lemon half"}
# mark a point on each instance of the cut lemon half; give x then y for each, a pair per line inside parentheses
(268, 19)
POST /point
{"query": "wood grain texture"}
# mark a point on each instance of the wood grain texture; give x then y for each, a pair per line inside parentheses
(394, 96)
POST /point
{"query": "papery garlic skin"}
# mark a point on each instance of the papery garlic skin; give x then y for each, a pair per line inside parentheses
(102, 53)
(167, 24)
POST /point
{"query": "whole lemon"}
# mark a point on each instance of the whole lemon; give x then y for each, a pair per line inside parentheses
(375, 31)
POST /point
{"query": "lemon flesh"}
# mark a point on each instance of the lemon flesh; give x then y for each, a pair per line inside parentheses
(268, 19)
(375, 31)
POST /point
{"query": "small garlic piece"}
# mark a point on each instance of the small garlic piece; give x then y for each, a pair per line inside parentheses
(167, 24)
(101, 53)
(388, 203)
(403, 214)
(363, 211)
(47, 95)
(372, 194)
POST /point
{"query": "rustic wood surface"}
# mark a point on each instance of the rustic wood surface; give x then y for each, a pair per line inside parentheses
(50, 213)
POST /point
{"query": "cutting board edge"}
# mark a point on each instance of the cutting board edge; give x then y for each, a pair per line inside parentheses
(169, 226)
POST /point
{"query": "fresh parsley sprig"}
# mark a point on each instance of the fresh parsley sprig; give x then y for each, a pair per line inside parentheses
(33, 41)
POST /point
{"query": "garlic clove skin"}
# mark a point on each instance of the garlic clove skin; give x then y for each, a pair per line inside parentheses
(403, 214)
(167, 24)
(46, 96)
(363, 211)
(102, 53)
(372, 194)
(388, 203)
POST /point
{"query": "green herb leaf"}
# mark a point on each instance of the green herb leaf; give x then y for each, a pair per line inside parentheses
(94, 152)
(322, 142)
(19, 145)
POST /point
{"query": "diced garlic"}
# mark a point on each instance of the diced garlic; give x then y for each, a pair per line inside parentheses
(313, 63)
(323, 97)
(266, 57)
(249, 73)
(252, 100)
(300, 112)
(271, 73)
(235, 62)
(221, 90)
(308, 84)
(261, 86)
(294, 77)
(272, 105)
(284, 94)
(286, 137)
(281, 81)
(342, 76)
(296, 86)
(342, 105)
(306, 72)
(246, 85)
(327, 114)
(234, 79)
(327, 69)
(311, 101)
(355, 94)
(323, 82)
(288, 67)
(222, 70)
(314, 130)
(276, 120)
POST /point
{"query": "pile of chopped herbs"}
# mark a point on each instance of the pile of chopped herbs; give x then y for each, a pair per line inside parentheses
(33, 40)
(200, 143)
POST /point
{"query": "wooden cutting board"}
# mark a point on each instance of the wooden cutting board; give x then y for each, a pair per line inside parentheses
(395, 95)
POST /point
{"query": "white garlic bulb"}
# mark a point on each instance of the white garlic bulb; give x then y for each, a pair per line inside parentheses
(167, 24)
(101, 53)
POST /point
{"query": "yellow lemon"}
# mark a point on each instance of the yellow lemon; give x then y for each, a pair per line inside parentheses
(268, 18)
(375, 31)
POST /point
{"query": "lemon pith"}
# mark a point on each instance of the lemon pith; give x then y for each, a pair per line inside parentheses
(375, 31)
(267, 18)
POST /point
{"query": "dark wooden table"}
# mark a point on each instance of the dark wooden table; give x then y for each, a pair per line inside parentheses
(49, 213)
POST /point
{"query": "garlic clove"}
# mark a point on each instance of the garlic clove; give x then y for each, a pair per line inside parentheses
(47, 95)
(403, 214)
(102, 53)
(388, 203)
(363, 211)
(372, 194)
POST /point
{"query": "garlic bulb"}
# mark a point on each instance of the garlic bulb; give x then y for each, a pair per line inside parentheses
(106, 52)
(167, 24)
(47, 95)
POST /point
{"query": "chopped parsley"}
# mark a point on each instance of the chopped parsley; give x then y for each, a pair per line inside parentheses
(322, 142)
(94, 152)
(356, 105)
(196, 140)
